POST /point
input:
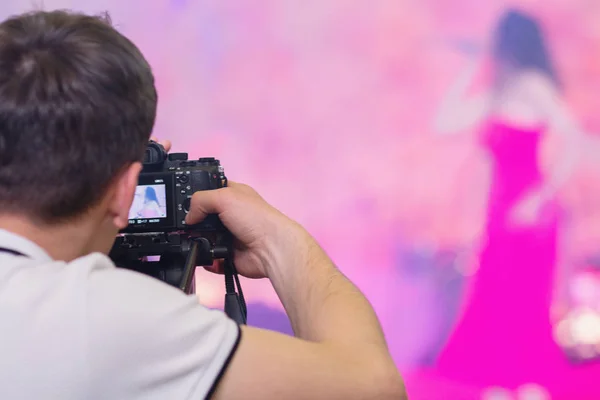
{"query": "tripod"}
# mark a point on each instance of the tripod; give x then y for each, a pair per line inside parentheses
(179, 256)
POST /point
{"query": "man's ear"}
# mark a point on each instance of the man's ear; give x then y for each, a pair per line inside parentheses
(124, 190)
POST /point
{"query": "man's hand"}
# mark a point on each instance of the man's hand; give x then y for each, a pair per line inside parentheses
(264, 236)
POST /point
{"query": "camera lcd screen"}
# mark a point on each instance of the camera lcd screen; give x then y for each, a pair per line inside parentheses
(149, 202)
(152, 203)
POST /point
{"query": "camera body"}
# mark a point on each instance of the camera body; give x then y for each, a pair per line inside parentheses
(157, 227)
(167, 182)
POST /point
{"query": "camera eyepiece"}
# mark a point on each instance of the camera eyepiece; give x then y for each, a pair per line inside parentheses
(155, 154)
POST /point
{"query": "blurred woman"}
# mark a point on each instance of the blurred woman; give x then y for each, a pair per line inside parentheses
(504, 336)
(151, 207)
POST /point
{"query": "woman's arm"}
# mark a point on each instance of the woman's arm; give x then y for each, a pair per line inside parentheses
(460, 111)
(543, 93)
(562, 123)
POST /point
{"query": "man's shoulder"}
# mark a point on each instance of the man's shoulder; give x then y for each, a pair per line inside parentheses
(92, 262)
(34, 276)
(139, 325)
(135, 335)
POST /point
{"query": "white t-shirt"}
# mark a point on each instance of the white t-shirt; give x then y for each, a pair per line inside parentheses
(89, 330)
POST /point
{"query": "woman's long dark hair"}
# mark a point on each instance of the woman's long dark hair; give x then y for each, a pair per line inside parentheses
(150, 195)
(519, 43)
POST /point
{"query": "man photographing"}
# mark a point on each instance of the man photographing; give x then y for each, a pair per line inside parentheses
(77, 107)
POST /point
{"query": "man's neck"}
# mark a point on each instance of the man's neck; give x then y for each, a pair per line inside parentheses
(61, 242)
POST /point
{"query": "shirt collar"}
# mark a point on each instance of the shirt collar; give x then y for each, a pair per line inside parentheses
(15, 242)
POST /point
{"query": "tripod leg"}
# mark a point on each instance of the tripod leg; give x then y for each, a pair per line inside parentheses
(192, 287)
(172, 266)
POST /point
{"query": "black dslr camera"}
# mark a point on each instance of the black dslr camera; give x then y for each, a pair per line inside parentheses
(159, 243)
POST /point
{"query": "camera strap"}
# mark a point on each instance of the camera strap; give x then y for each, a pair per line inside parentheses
(235, 304)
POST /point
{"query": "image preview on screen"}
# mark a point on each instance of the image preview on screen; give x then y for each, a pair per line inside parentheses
(150, 201)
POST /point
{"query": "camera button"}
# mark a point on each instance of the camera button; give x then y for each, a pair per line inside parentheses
(186, 204)
(183, 178)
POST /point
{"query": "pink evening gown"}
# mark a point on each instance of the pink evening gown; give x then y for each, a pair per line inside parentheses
(504, 336)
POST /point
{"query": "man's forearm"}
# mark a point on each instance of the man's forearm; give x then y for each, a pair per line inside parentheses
(323, 305)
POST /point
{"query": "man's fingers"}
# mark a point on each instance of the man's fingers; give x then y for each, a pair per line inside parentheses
(216, 201)
(165, 143)
(205, 202)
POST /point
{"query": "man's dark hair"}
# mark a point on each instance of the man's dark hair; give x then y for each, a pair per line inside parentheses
(77, 105)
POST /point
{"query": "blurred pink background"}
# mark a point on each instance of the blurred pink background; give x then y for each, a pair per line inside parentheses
(326, 108)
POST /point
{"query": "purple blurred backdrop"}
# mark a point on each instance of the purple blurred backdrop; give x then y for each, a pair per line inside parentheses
(326, 108)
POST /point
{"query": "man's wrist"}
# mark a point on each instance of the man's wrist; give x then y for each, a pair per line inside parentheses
(293, 250)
